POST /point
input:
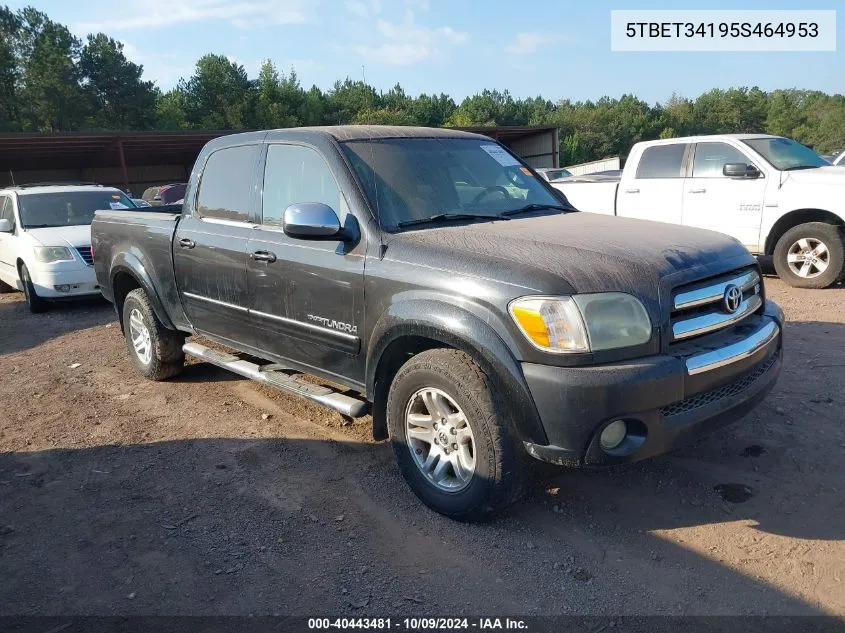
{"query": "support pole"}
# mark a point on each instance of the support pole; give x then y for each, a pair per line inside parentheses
(123, 164)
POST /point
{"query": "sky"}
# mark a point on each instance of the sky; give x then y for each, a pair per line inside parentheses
(559, 49)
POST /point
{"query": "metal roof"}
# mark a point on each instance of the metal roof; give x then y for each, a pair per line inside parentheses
(63, 150)
(69, 150)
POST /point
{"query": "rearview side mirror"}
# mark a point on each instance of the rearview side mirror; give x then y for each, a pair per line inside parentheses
(740, 170)
(6, 226)
(311, 220)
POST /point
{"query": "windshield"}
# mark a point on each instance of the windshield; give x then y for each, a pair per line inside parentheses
(67, 208)
(785, 154)
(408, 180)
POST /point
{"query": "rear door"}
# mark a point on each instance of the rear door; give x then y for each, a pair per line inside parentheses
(656, 190)
(307, 303)
(209, 248)
(729, 205)
(8, 255)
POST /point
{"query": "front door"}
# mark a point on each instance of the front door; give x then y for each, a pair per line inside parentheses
(209, 248)
(656, 191)
(306, 296)
(729, 205)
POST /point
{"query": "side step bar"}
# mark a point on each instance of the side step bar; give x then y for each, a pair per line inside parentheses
(343, 404)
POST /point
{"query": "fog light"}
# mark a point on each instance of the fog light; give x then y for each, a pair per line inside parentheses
(62, 288)
(613, 434)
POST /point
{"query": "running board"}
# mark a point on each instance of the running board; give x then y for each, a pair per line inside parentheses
(343, 404)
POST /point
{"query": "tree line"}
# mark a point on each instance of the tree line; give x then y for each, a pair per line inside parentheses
(50, 80)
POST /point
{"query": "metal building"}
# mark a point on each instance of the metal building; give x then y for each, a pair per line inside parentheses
(137, 160)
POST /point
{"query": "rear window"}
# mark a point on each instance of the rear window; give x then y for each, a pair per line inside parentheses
(68, 208)
(662, 161)
(226, 184)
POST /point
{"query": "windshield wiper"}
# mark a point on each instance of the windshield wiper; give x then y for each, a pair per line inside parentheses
(42, 226)
(441, 217)
(796, 167)
(534, 207)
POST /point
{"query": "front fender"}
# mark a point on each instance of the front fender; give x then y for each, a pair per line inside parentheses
(128, 263)
(456, 327)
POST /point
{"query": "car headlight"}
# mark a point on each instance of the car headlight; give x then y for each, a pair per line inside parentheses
(48, 254)
(582, 323)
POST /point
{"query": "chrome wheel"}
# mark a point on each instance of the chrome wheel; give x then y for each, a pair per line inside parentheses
(440, 439)
(808, 257)
(140, 335)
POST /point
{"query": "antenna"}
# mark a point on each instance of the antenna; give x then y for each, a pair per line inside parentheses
(12, 176)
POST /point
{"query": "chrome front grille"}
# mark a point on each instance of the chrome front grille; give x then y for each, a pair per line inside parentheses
(714, 304)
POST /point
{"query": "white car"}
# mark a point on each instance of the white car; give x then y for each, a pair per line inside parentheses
(45, 239)
(553, 174)
(775, 196)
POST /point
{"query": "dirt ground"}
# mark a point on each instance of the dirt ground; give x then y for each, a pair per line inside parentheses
(209, 494)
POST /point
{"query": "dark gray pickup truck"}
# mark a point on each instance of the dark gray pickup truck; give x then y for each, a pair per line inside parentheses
(432, 279)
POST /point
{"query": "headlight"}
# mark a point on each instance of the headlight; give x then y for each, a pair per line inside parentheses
(582, 323)
(48, 254)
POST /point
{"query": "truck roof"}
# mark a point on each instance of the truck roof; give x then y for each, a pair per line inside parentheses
(364, 132)
(709, 137)
(343, 133)
(26, 190)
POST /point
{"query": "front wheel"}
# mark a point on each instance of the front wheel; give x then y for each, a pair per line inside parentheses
(451, 436)
(36, 304)
(810, 255)
(156, 351)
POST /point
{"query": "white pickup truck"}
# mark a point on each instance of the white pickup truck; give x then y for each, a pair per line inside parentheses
(774, 195)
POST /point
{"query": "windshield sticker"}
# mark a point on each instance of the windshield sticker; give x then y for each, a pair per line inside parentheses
(116, 196)
(117, 205)
(501, 156)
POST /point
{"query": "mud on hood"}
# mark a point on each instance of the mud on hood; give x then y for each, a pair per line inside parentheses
(578, 252)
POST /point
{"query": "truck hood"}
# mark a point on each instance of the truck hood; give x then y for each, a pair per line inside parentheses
(577, 252)
(829, 175)
(62, 235)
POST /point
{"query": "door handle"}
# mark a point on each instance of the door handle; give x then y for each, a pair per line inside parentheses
(186, 243)
(632, 191)
(698, 191)
(264, 256)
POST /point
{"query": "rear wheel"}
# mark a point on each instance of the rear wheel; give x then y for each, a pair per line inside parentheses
(451, 436)
(810, 255)
(155, 350)
(36, 304)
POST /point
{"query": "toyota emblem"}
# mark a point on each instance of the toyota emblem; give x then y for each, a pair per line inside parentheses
(732, 299)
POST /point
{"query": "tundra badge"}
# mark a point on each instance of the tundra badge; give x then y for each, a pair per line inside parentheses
(335, 325)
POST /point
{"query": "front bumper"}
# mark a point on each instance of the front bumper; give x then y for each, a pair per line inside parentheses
(666, 400)
(79, 279)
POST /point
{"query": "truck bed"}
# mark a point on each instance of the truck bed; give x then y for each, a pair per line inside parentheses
(144, 234)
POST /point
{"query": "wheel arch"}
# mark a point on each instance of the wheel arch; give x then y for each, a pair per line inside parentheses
(795, 218)
(126, 275)
(415, 326)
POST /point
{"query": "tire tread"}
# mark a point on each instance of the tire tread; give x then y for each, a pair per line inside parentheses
(831, 235)
(507, 460)
(168, 358)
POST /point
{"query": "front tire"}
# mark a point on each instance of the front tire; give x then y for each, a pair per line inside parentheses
(451, 436)
(36, 304)
(155, 350)
(810, 255)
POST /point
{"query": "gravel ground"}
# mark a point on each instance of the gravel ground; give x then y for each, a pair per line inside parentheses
(211, 495)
